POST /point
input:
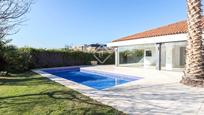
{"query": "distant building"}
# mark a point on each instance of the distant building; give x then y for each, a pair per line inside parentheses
(78, 48)
(90, 47)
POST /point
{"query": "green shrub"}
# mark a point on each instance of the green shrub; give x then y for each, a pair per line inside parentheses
(18, 60)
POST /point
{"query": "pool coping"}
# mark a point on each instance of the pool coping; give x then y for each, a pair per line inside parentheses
(115, 75)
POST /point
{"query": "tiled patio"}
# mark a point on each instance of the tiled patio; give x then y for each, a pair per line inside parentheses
(158, 93)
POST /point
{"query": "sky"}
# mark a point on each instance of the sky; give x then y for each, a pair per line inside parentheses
(56, 23)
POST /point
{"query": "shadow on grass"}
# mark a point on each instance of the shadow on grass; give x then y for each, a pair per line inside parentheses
(26, 79)
(55, 99)
(20, 82)
(25, 74)
(70, 95)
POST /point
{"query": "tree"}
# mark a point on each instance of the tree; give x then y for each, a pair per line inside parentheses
(194, 70)
(11, 15)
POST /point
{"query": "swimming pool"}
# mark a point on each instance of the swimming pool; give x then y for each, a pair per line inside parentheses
(93, 79)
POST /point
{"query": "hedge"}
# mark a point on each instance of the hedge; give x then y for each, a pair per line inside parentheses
(23, 59)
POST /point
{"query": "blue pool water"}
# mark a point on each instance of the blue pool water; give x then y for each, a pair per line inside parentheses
(97, 80)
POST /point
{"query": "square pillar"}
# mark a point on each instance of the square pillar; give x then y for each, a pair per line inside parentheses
(117, 57)
(158, 56)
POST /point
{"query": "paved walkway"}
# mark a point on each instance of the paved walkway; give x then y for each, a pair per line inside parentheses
(158, 93)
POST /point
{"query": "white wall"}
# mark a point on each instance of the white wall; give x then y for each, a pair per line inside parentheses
(176, 56)
(169, 56)
(173, 55)
(149, 61)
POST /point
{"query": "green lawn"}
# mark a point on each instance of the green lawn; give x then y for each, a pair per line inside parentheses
(29, 93)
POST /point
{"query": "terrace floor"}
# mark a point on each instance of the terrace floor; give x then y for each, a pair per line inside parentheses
(158, 93)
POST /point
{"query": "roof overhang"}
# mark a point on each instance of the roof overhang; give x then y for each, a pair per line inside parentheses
(150, 40)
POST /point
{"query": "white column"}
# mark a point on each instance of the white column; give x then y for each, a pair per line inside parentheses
(169, 56)
(117, 57)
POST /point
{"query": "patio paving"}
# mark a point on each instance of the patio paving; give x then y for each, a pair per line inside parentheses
(158, 93)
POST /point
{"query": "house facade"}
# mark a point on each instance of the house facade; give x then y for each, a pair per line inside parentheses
(160, 48)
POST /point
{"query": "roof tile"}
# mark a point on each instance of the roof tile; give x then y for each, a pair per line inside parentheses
(175, 28)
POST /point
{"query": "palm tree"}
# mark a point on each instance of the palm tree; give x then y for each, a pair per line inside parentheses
(194, 70)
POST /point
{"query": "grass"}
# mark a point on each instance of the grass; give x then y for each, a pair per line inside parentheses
(29, 93)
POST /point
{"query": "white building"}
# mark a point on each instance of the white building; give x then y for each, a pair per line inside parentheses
(163, 47)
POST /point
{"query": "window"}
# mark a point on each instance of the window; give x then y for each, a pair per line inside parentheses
(130, 55)
(148, 53)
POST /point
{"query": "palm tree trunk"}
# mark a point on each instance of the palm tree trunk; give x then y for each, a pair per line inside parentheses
(194, 70)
